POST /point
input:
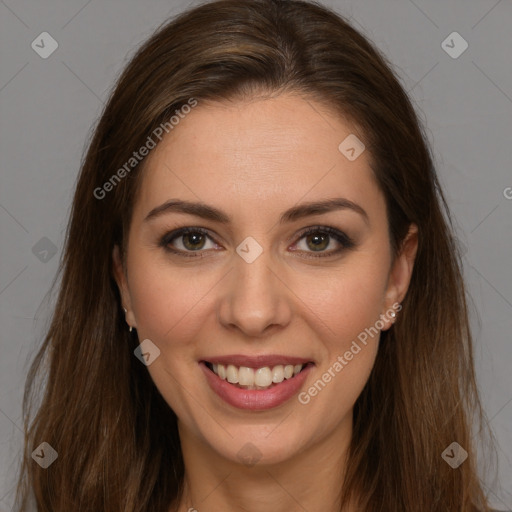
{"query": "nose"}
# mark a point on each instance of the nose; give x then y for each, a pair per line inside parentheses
(255, 299)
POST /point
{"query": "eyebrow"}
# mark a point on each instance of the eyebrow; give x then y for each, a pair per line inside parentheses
(295, 213)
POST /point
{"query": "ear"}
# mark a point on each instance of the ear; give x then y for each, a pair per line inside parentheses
(122, 284)
(401, 272)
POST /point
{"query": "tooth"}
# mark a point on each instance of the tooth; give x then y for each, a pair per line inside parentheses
(232, 374)
(221, 371)
(245, 376)
(278, 374)
(288, 371)
(263, 377)
(259, 378)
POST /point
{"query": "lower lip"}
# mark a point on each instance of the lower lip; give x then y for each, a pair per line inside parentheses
(255, 399)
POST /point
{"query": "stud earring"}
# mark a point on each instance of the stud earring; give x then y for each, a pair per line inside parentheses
(393, 314)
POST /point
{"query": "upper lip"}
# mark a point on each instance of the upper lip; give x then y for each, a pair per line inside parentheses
(256, 361)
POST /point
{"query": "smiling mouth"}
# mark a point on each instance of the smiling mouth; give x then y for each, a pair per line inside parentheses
(266, 377)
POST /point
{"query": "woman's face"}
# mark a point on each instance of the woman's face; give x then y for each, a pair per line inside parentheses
(247, 288)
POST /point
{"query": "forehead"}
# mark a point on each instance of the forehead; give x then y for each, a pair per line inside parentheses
(257, 154)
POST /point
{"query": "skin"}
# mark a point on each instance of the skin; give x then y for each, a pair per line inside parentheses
(253, 160)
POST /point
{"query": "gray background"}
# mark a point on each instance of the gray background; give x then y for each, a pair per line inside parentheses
(48, 107)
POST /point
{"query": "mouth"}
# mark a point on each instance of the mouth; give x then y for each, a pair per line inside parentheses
(256, 383)
(265, 377)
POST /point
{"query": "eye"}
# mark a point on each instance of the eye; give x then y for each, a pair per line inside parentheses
(185, 240)
(318, 238)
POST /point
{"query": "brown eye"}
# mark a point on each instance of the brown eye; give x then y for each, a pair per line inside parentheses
(318, 241)
(187, 240)
(193, 241)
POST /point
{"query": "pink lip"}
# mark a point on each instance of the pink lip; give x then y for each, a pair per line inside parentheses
(257, 361)
(255, 399)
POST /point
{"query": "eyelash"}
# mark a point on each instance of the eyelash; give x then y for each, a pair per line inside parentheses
(340, 237)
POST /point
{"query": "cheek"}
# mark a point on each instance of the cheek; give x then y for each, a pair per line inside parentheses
(350, 307)
(347, 308)
(345, 301)
(168, 306)
(165, 300)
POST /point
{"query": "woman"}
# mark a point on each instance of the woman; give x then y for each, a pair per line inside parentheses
(261, 305)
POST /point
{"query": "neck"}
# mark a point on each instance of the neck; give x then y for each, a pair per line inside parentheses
(310, 480)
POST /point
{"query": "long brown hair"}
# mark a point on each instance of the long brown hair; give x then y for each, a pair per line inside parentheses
(116, 437)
